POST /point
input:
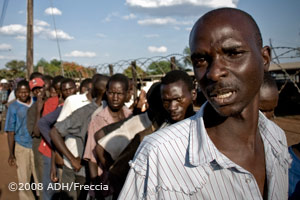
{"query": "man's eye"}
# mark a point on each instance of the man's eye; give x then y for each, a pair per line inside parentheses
(234, 53)
(199, 62)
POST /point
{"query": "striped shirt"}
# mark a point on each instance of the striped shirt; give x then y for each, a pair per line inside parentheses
(181, 162)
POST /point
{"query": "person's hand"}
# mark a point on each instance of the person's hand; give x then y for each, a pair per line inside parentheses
(53, 175)
(39, 103)
(142, 101)
(76, 164)
(12, 160)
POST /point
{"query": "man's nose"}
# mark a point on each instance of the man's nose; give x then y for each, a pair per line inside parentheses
(217, 69)
(173, 105)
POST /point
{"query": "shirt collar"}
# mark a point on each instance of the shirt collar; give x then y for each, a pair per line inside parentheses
(201, 149)
(106, 116)
(25, 104)
(268, 129)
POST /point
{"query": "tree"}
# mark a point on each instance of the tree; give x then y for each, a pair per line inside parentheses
(187, 59)
(140, 72)
(52, 68)
(161, 67)
(79, 70)
(14, 69)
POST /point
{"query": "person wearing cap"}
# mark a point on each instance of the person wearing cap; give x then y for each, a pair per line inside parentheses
(3, 98)
(19, 139)
(33, 115)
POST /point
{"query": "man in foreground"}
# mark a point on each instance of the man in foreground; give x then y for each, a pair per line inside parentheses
(228, 150)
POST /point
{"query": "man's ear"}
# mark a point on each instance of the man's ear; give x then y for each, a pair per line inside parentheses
(194, 94)
(266, 53)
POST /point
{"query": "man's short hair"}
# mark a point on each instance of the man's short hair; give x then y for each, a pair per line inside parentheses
(35, 75)
(67, 80)
(47, 78)
(85, 83)
(57, 79)
(23, 83)
(177, 75)
(256, 30)
(119, 78)
(269, 81)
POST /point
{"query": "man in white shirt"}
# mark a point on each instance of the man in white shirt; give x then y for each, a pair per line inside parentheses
(228, 150)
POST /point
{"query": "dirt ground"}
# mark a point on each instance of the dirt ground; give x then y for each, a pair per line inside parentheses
(290, 124)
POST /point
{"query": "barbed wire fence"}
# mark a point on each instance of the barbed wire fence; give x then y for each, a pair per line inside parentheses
(287, 53)
(280, 55)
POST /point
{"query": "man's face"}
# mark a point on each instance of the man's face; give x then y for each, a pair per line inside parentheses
(39, 92)
(176, 99)
(116, 95)
(68, 89)
(23, 94)
(57, 88)
(228, 63)
(86, 89)
(268, 101)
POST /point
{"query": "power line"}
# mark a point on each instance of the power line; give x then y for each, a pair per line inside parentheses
(57, 42)
(4, 8)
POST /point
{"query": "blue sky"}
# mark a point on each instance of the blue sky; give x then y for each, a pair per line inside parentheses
(91, 32)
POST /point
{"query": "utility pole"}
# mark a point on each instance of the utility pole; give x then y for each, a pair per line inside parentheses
(29, 52)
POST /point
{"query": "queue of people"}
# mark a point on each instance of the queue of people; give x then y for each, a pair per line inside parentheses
(226, 150)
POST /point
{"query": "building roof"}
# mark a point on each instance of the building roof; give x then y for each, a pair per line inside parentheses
(286, 66)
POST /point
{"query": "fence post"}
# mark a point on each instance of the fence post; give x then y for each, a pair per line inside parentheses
(111, 69)
(134, 78)
(173, 63)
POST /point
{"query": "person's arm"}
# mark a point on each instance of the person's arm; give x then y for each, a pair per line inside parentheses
(46, 123)
(53, 172)
(60, 145)
(39, 105)
(11, 147)
(93, 167)
(103, 157)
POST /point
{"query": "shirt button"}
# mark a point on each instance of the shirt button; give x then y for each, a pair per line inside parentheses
(248, 180)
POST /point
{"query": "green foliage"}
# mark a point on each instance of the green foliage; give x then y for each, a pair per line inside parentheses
(14, 69)
(140, 72)
(160, 67)
(187, 59)
(53, 68)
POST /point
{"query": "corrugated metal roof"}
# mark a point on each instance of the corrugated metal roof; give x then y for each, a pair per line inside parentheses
(287, 66)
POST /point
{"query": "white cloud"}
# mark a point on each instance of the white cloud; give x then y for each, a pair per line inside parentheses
(162, 21)
(20, 37)
(188, 29)
(151, 36)
(81, 54)
(169, 3)
(59, 34)
(40, 23)
(4, 47)
(130, 16)
(21, 12)
(54, 11)
(177, 28)
(13, 29)
(157, 21)
(178, 7)
(109, 17)
(6, 57)
(19, 31)
(101, 35)
(154, 49)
